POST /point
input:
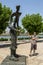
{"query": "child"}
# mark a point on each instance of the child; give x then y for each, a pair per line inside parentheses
(33, 44)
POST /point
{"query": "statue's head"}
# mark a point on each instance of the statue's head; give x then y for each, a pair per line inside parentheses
(18, 7)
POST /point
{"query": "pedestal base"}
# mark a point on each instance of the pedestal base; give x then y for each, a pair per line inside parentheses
(21, 61)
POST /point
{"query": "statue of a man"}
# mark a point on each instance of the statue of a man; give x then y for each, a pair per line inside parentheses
(13, 32)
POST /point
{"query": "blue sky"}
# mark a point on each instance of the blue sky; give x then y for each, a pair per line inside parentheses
(27, 6)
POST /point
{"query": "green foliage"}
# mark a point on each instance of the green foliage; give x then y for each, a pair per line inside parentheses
(32, 23)
(21, 30)
(42, 27)
(3, 39)
(23, 38)
(5, 13)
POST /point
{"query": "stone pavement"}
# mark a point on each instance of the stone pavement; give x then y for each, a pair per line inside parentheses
(24, 49)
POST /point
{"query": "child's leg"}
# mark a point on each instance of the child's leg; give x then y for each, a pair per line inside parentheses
(33, 51)
(31, 48)
(30, 53)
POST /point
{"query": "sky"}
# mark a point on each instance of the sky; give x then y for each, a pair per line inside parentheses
(27, 6)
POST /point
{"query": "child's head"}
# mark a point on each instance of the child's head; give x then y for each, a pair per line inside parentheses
(33, 38)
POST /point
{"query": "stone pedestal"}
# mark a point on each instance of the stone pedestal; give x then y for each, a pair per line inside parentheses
(21, 61)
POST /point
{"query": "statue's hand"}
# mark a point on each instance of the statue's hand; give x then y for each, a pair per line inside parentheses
(18, 30)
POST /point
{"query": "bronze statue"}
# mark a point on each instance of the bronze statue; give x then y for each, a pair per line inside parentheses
(13, 32)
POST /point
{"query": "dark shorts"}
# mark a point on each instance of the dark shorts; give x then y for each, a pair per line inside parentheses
(33, 46)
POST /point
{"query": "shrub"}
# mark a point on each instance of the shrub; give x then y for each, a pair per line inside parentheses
(3, 39)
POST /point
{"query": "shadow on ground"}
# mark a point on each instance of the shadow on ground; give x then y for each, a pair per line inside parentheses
(4, 45)
(34, 54)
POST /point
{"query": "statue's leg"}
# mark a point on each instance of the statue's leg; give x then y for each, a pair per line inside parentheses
(13, 48)
(16, 41)
(13, 52)
(13, 55)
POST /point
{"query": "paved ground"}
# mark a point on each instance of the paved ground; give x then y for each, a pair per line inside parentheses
(24, 49)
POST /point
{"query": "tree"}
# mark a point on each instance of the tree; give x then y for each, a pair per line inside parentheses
(5, 13)
(32, 23)
(21, 30)
(42, 27)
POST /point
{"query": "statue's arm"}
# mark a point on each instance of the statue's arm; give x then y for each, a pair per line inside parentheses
(12, 28)
(14, 14)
